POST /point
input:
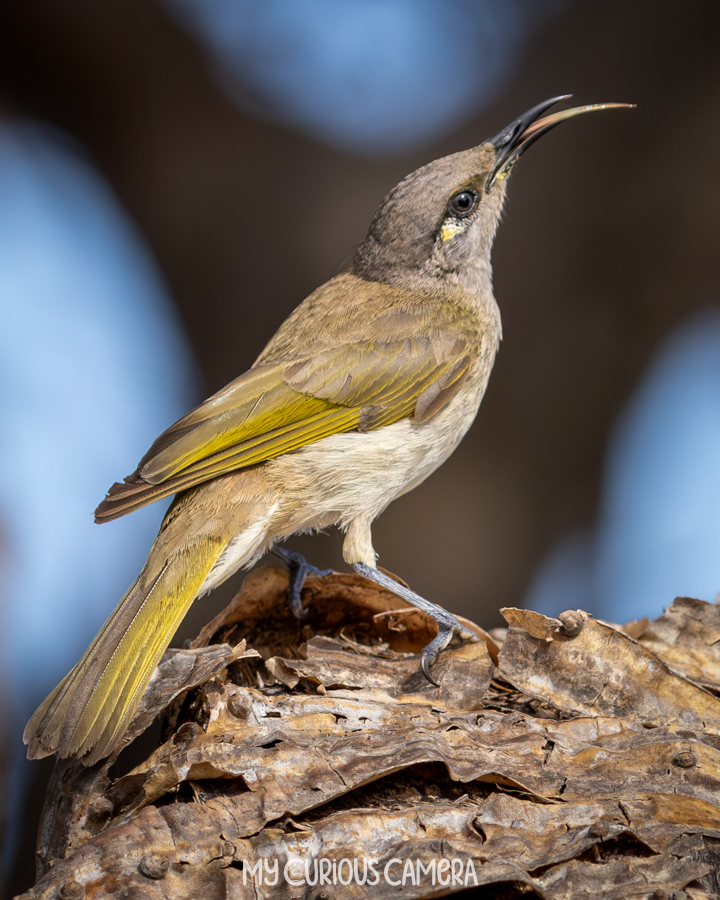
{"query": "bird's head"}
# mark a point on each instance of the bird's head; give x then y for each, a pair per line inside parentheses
(439, 222)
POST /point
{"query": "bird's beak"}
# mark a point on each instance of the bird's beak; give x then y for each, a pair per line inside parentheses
(513, 141)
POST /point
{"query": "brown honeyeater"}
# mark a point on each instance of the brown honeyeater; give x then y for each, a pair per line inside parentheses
(366, 388)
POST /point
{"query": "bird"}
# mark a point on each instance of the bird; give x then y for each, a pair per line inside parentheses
(364, 390)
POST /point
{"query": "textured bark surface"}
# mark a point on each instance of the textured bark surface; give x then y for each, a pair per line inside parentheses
(559, 759)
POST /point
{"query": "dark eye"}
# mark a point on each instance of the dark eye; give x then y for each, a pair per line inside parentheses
(463, 203)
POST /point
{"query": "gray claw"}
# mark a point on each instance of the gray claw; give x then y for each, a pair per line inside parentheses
(448, 625)
(299, 569)
(425, 666)
(430, 653)
(294, 601)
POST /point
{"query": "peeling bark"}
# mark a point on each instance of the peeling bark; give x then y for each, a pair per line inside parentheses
(577, 760)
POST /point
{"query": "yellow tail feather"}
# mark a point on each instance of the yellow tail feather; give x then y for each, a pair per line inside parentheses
(89, 710)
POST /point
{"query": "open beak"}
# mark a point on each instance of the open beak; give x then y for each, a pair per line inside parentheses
(513, 141)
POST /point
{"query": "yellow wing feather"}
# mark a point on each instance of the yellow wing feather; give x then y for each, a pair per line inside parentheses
(257, 403)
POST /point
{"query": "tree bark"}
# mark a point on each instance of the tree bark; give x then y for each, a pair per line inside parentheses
(559, 758)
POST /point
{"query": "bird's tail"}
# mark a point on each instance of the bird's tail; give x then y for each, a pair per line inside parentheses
(87, 713)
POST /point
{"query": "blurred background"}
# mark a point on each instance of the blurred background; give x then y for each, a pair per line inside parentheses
(175, 177)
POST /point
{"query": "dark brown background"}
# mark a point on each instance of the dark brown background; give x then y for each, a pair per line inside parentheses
(609, 240)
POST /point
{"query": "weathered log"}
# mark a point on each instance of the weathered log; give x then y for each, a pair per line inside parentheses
(314, 755)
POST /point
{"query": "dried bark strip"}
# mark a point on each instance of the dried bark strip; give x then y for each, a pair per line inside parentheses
(602, 671)
(687, 638)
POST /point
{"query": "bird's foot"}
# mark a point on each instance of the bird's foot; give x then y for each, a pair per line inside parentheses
(448, 625)
(299, 569)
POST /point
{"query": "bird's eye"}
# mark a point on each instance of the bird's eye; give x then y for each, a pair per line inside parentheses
(463, 203)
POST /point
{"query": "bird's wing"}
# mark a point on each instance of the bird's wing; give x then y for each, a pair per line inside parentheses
(386, 381)
(282, 404)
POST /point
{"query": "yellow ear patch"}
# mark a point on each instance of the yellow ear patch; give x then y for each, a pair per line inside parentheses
(449, 229)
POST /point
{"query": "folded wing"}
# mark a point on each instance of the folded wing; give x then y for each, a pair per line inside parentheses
(282, 404)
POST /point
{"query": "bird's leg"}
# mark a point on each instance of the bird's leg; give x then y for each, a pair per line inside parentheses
(299, 569)
(448, 625)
